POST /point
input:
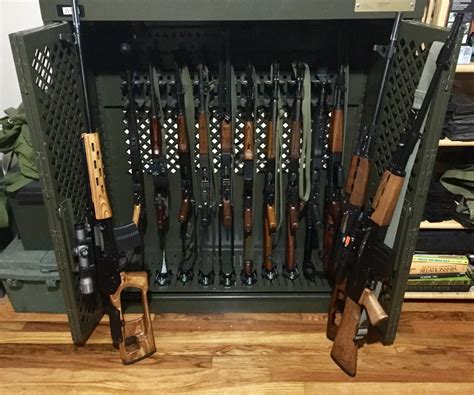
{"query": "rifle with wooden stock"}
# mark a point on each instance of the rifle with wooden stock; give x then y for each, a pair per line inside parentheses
(290, 268)
(206, 203)
(313, 213)
(269, 270)
(159, 172)
(335, 178)
(365, 270)
(227, 274)
(249, 275)
(355, 192)
(134, 337)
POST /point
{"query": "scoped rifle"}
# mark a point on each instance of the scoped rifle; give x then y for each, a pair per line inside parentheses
(185, 166)
(159, 172)
(249, 276)
(313, 216)
(290, 268)
(134, 337)
(207, 187)
(269, 270)
(226, 137)
(335, 173)
(355, 191)
(366, 270)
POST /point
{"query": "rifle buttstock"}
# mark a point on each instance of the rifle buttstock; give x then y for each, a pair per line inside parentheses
(358, 180)
(138, 341)
(344, 349)
(375, 311)
(95, 167)
(226, 137)
(336, 304)
(249, 140)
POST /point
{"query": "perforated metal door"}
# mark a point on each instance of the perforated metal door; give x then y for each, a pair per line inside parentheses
(48, 73)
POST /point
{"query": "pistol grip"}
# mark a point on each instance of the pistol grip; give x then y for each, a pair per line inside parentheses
(344, 349)
(226, 214)
(248, 220)
(138, 341)
(184, 210)
(375, 311)
(271, 218)
(338, 297)
(137, 209)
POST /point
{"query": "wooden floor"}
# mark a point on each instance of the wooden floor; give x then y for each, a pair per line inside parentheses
(241, 353)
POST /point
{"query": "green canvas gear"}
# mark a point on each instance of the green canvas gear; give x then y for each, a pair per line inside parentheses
(15, 139)
(461, 182)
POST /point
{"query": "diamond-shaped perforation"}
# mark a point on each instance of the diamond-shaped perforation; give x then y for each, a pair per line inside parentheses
(43, 67)
(239, 142)
(404, 77)
(171, 139)
(215, 141)
(260, 140)
(285, 142)
(143, 124)
(60, 105)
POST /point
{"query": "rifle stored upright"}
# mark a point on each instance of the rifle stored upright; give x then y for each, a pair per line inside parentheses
(365, 271)
(290, 268)
(134, 337)
(249, 275)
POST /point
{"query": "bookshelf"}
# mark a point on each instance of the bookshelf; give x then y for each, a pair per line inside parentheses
(451, 224)
(450, 143)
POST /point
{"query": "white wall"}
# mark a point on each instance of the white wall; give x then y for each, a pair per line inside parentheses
(15, 15)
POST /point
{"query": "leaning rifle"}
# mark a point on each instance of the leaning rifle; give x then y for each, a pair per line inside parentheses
(362, 240)
(134, 337)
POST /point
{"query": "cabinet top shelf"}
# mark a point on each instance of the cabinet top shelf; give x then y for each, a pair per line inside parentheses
(465, 68)
(212, 10)
(441, 225)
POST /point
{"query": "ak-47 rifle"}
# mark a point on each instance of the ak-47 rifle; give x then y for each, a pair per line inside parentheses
(290, 268)
(249, 276)
(335, 172)
(206, 184)
(313, 214)
(269, 270)
(355, 191)
(363, 237)
(226, 136)
(134, 338)
(185, 165)
(159, 172)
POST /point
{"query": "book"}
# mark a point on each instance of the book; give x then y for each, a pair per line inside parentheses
(445, 281)
(435, 275)
(438, 264)
(438, 288)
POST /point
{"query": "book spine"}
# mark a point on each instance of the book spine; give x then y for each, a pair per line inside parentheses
(431, 276)
(438, 288)
(436, 269)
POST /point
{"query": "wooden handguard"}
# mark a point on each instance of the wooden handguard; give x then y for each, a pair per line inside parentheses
(338, 297)
(295, 140)
(248, 141)
(375, 311)
(138, 340)
(271, 218)
(226, 214)
(270, 141)
(184, 209)
(248, 220)
(336, 133)
(386, 198)
(95, 168)
(203, 135)
(344, 349)
(226, 137)
(183, 141)
(358, 180)
(156, 140)
(293, 222)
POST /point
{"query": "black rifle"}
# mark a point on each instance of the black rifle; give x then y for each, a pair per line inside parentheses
(159, 172)
(206, 183)
(363, 237)
(290, 268)
(226, 130)
(249, 276)
(269, 270)
(313, 210)
(135, 339)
